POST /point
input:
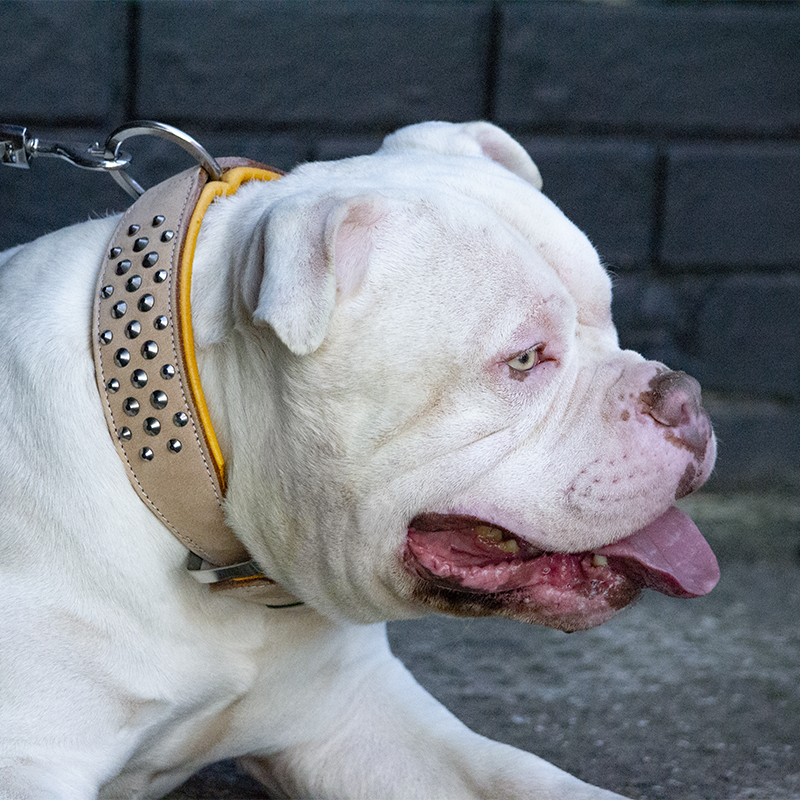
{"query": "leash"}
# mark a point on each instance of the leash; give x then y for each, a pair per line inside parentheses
(143, 348)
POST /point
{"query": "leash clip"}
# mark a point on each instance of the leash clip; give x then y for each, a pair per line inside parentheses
(17, 149)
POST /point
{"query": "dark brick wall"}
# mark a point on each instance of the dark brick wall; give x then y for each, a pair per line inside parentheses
(670, 132)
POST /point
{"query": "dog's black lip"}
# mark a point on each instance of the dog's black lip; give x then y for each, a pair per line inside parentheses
(428, 522)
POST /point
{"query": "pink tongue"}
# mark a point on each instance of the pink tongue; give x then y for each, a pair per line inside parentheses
(669, 555)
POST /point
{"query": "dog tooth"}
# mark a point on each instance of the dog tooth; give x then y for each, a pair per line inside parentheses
(488, 534)
(508, 546)
(599, 561)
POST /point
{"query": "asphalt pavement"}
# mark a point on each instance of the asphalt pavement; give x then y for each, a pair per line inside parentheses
(672, 700)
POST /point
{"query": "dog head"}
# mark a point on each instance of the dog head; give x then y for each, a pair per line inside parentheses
(412, 365)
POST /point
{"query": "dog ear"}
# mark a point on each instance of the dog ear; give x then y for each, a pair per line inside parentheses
(467, 139)
(310, 252)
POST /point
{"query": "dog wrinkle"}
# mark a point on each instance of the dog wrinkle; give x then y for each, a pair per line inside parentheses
(135, 711)
(204, 736)
(421, 416)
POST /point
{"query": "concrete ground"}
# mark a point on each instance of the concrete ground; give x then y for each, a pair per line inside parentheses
(673, 700)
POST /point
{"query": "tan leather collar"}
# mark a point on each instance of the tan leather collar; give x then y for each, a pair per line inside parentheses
(148, 379)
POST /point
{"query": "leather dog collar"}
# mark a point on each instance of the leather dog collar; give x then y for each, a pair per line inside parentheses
(149, 382)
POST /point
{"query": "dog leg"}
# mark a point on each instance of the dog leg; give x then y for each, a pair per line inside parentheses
(393, 740)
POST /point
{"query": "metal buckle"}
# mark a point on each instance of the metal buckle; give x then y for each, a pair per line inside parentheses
(17, 150)
(203, 572)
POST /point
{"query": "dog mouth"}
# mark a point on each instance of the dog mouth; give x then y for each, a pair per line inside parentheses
(469, 562)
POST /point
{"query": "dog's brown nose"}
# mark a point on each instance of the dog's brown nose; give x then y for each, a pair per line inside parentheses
(673, 400)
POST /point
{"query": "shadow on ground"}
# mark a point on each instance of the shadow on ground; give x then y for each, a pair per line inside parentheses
(680, 700)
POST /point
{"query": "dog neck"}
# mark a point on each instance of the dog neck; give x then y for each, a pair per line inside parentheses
(149, 383)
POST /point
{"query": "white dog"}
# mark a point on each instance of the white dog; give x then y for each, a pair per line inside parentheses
(411, 370)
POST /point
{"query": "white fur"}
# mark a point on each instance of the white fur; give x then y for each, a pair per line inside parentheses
(352, 321)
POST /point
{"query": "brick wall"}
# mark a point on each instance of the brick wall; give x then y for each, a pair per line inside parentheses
(670, 132)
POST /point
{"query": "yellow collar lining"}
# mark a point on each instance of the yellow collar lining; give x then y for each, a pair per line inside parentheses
(226, 186)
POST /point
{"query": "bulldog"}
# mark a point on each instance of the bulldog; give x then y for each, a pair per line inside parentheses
(412, 374)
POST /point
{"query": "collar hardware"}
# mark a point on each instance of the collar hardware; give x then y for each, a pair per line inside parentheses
(162, 131)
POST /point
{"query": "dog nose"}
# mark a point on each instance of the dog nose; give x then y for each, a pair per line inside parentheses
(673, 399)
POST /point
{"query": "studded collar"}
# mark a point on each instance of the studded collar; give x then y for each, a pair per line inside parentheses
(149, 382)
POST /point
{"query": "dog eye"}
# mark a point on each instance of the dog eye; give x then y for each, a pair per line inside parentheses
(527, 360)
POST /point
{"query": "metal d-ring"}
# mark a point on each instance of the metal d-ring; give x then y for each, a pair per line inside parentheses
(162, 131)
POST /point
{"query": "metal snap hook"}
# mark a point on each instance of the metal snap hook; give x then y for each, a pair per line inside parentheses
(17, 149)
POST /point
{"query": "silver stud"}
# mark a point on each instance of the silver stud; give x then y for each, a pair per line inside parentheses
(180, 419)
(106, 337)
(133, 283)
(114, 252)
(167, 236)
(159, 323)
(158, 400)
(123, 266)
(133, 230)
(118, 309)
(139, 378)
(174, 446)
(158, 220)
(131, 406)
(140, 244)
(167, 372)
(122, 357)
(113, 386)
(146, 453)
(150, 260)
(152, 427)
(160, 276)
(133, 329)
(146, 302)
(106, 292)
(125, 433)
(149, 350)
